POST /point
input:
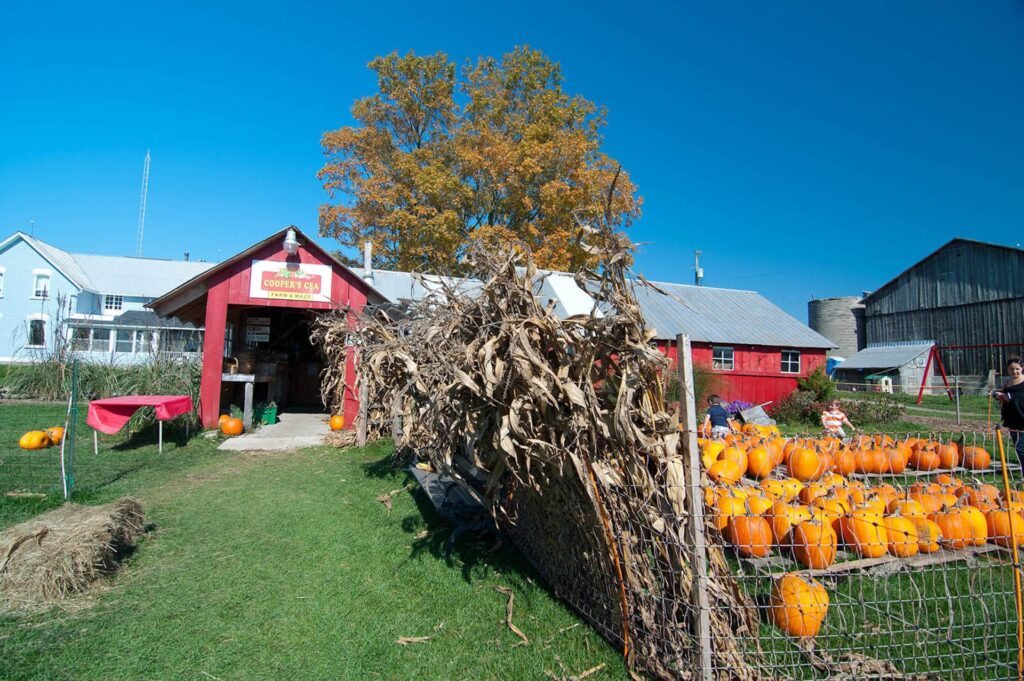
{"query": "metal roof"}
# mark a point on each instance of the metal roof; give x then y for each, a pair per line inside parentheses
(145, 277)
(886, 356)
(134, 319)
(399, 286)
(720, 315)
(62, 260)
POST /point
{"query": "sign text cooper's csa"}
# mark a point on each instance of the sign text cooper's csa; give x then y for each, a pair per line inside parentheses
(290, 281)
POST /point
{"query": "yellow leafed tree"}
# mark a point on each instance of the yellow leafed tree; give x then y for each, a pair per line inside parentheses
(495, 151)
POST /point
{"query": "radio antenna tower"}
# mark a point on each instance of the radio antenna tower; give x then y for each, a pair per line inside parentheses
(142, 205)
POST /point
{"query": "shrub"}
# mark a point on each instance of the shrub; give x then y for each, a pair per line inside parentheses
(802, 407)
(819, 383)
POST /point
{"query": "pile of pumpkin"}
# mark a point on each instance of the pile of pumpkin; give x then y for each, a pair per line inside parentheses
(41, 439)
(805, 505)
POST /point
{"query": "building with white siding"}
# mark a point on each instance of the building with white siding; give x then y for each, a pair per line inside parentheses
(93, 305)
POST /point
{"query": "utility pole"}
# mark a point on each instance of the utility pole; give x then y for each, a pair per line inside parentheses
(142, 205)
(698, 273)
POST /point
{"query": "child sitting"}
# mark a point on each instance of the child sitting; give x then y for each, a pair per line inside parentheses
(833, 419)
(718, 418)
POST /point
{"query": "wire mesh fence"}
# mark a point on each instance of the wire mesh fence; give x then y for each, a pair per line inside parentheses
(878, 557)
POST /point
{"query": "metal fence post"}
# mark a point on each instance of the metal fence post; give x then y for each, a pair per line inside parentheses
(695, 503)
(67, 443)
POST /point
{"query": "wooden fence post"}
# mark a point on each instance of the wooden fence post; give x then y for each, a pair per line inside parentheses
(364, 413)
(695, 504)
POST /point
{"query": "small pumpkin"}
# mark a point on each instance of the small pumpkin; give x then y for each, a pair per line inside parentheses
(56, 434)
(725, 471)
(901, 535)
(1005, 527)
(750, 534)
(929, 535)
(976, 458)
(34, 439)
(977, 524)
(232, 426)
(783, 518)
(805, 465)
(222, 419)
(798, 605)
(337, 422)
(814, 544)
(956, 532)
(759, 463)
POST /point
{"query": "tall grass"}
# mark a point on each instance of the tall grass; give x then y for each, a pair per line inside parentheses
(50, 379)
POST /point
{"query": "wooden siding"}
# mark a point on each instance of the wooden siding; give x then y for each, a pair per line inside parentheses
(757, 374)
(966, 293)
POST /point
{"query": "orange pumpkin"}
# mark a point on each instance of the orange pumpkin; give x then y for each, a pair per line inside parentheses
(956, 532)
(783, 518)
(929, 535)
(1005, 527)
(814, 544)
(798, 605)
(901, 536)
(222, 419)
(337, 422)
(34, 439)
(864, 532)
(759, 462)
(925, 459)
(232, 426)
(727, 505)
(805, 465)
(725, 471)
(976, 458)
(977, 524)
(56, 434)
(949, 456)
(751, 535)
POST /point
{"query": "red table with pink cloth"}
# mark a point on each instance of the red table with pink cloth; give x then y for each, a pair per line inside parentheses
(110, 414)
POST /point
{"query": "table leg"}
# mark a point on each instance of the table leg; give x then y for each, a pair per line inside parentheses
(160, 437)
(95, 443)
(247, 413)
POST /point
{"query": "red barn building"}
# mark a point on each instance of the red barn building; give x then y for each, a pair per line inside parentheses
(755, 351)
(264, 299)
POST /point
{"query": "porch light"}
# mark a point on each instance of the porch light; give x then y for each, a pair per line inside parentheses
(291, 242)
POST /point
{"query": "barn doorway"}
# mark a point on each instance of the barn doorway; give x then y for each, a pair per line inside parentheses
(273, 344)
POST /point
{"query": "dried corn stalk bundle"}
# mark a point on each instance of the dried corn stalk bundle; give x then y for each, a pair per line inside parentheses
(560, 424)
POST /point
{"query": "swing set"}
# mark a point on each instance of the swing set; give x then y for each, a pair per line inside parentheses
(934, 356)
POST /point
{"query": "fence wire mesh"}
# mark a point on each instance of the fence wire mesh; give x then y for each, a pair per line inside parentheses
(882, 556)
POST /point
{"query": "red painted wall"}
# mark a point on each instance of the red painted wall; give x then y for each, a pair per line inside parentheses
(757, 374)
(231, 287)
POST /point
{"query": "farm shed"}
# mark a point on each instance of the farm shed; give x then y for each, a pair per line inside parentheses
(755, 351)
(259, 304)
(966, 293)
(902, 363)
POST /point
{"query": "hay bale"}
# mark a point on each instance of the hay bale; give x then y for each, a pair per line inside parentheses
(62, 552)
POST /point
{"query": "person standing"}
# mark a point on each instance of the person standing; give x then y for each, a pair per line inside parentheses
(833, 419)
(1011, 399)
(717, 418)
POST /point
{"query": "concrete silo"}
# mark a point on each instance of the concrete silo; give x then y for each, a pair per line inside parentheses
(841, 320)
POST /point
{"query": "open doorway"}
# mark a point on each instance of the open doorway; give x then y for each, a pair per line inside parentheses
(273, 344)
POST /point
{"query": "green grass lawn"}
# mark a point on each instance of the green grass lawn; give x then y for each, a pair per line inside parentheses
(287, 566)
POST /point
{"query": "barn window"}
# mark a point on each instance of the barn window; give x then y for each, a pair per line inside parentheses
(41, 283)
(722, 358)
(113, 303)
(791, 361)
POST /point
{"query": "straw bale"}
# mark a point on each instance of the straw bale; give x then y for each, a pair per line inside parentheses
(62, 552)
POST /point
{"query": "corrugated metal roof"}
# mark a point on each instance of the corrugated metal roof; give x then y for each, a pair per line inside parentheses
(886, 356)
(399, 286)
(719, 315)
(145, 277)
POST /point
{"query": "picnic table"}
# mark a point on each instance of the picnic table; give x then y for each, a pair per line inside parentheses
(109, 415)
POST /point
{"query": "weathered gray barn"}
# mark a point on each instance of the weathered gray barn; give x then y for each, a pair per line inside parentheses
(965, 293)
(903, 364)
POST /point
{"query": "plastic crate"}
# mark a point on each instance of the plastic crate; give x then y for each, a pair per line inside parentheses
(265, 414)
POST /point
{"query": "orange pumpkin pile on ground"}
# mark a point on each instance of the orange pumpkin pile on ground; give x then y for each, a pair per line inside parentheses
(41, 439)
(807, 498)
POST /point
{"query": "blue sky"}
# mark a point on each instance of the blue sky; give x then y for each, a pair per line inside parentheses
(807, 148)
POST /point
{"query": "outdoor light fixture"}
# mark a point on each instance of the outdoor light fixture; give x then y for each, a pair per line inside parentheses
(291, 242)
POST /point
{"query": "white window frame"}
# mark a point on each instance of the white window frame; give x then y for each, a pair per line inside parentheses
(723, 364)
(113, 297)
(36, 275)
(36, 317)
(783, 363)
(3, 278)
(117, 341)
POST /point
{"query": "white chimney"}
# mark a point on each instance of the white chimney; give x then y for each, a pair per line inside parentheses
(368, 260)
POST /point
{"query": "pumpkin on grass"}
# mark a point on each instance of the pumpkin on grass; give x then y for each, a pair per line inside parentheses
(232, 426)
(337, 422)
(34, 439)
(56, 434)
(798, 605)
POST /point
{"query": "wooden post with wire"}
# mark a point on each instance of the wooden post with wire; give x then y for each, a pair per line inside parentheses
(695, 504)
(364, 413)
(1016, 559)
